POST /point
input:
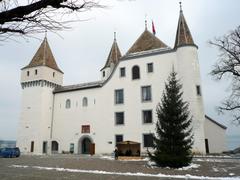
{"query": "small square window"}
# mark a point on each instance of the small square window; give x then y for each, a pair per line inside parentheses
(198, 90)
(119, 118)
(53, 74)
(28, 73)
(146, 93)
(36, 71)
(119, 96)
(118, 138)
(85, 128)
(147, 116)
(122, 72)
(147, 140)
(150, 67)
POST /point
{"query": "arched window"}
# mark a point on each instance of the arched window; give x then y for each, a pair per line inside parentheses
(68, 104)
(135, 72)
(85, 102)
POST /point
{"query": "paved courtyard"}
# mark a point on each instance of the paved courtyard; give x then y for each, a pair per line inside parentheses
(104, 167)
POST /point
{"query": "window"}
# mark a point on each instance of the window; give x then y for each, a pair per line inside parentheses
(119, 96)
(68, 104)
(32, 146)
(53, 74)
(71, 149)
(103, 73)
(85, 128)
(135, 72)
(146, 93)
(119, 118)
(148, 140)
(85, 102)
(122, 72)
(150, 67)
(147, 116)
(28, 73)
(198, 90)
(35, 71)
(118, 138)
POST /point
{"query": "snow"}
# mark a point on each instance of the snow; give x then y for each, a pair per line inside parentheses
(107, 157)
(112, 158)
(191, 166)
(215, 169)
(187, 176)
(209, 160)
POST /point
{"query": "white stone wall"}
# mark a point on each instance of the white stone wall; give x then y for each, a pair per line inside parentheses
(216, 136)
(43, 73)
(188, 69)
(36, 108)
(100, 116)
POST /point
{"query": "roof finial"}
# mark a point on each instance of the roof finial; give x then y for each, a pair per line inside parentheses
(45, 34)
(115, 35)
(180, 4)
(145, 21)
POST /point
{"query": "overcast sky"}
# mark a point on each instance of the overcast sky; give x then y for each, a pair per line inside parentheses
(82, 51)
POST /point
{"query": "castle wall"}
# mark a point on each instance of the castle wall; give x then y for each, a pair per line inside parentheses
(36, 108)
(188, 69)
(216, 137)
(100, 115)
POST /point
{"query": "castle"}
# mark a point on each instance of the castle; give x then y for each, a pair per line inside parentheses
(94, 117)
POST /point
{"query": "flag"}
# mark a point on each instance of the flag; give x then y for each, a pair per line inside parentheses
(153, 28)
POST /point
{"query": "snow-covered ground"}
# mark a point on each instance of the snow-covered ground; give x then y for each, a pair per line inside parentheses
(187, 176)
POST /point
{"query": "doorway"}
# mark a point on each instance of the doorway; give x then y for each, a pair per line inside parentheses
(207, 146)
(86, 145)
(44, 150)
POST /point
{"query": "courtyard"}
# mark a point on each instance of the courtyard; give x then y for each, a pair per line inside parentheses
(105, 167)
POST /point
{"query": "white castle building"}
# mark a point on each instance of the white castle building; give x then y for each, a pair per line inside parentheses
(93, 117)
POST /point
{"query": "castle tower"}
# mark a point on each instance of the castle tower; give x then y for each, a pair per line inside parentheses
(113, 58)
(38, 79)
(188, 71)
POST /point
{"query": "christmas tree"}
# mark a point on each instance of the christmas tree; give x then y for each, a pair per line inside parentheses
(173, 140)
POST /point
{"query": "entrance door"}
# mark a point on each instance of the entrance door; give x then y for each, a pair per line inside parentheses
(86, 142)
(206, 146)
(44, 150)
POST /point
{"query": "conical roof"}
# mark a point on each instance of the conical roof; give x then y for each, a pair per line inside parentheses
(114, 54)
(146, 41)
(183, 36)
(44, 57)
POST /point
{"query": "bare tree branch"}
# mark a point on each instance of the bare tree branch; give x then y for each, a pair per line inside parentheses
(39, 15)
(228, 65)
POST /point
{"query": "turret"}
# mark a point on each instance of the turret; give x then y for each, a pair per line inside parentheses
(113, 58)
(188, 71)
(38, 79)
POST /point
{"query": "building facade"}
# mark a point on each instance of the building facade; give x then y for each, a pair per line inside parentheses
(93, 117)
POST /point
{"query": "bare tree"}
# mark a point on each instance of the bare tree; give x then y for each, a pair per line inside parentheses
(35, 16)
(228, 65)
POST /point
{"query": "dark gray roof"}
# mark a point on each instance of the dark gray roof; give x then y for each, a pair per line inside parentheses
(215, 122)
(76, 87)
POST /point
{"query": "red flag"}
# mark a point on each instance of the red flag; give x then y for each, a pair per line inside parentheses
(153, 28)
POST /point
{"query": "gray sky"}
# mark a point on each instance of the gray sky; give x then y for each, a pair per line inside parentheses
(82, 51)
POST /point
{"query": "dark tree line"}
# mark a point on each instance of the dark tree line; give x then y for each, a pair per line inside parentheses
(228, 65)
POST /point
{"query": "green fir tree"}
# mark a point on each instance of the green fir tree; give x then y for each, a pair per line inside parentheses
(174, 139)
